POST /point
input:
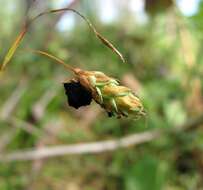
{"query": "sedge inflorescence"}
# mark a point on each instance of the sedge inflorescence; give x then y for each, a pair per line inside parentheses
(116, 99)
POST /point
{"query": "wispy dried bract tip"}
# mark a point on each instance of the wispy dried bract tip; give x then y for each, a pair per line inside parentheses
(117, 100)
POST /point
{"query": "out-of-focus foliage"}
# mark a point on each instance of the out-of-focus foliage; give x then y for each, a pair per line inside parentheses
(164, 67)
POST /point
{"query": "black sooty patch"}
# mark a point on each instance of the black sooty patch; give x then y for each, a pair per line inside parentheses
(110, 114)
(77, 95)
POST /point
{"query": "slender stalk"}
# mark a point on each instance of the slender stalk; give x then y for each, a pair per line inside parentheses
(59, 61)
(20, 37)
(98, 35)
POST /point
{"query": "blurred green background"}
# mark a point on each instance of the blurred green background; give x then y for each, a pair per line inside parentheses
(162, 42)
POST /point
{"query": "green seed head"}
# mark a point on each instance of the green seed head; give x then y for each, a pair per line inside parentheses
(110, 95)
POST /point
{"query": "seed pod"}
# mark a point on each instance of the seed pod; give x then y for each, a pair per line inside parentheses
(117, 100)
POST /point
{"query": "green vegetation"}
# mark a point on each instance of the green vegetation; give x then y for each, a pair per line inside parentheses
(164, 66)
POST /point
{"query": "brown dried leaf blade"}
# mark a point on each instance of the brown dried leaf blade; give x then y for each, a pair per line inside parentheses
(13, 48)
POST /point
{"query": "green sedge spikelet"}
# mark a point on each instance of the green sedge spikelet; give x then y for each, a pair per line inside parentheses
(117, 100)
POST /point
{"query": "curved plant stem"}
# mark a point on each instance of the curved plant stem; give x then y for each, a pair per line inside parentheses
(25, 28)
(58, 60)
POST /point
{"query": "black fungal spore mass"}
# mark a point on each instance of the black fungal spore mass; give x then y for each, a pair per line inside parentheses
(77, 95)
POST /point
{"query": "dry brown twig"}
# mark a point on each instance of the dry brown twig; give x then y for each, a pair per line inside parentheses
(11, 103)
(100, 146)
(95, 147)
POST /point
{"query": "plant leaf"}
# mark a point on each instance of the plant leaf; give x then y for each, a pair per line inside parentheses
(19, 38)
(13, 48)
